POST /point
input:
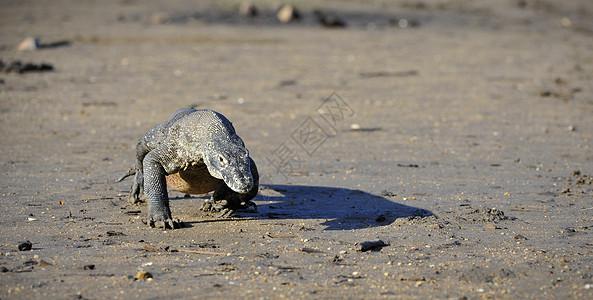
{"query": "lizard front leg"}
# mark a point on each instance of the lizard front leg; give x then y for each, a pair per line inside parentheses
(155, 187)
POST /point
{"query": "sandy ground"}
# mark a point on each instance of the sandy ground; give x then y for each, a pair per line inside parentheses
(457, 132)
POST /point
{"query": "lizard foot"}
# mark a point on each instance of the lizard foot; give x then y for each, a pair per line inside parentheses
(136, 199)
(166, 224)
(226, 210)
(214, 206)
(219, 206)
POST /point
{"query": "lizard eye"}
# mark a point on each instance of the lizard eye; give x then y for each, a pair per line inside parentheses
(222, 160)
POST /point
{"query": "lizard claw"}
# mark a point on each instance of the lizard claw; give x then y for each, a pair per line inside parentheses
(225, 213)
(248, 204)
(207, 206)
(166, 224)
(136, 199)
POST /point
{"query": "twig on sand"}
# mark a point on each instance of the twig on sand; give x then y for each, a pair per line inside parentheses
(278, 236)
(530, 210)
(388, 74)
(308, 250)
(200, 252)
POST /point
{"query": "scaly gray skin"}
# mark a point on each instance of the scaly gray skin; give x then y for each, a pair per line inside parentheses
(188, 139)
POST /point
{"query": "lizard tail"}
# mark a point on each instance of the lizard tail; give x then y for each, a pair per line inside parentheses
(130, 172)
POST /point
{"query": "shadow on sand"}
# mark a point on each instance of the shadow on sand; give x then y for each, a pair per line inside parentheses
(342, 209)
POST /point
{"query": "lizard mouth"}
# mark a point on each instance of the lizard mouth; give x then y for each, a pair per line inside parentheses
(241, 185)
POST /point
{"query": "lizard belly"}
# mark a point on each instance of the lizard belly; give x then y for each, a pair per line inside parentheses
(193, 180)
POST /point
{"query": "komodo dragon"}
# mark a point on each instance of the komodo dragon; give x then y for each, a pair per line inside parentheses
(194, 152)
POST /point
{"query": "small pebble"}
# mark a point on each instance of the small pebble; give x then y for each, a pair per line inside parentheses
(565, 22)
(519, 237)
(369, 245)
(246, 8)
(287, 13)
(26, 246)
(43, 263)
(142, 275)
(28, 44)
(159, 18)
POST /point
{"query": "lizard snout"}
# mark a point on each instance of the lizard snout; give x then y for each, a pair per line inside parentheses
(243, 185)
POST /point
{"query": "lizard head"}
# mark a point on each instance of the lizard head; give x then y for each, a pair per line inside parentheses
(228, 159)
